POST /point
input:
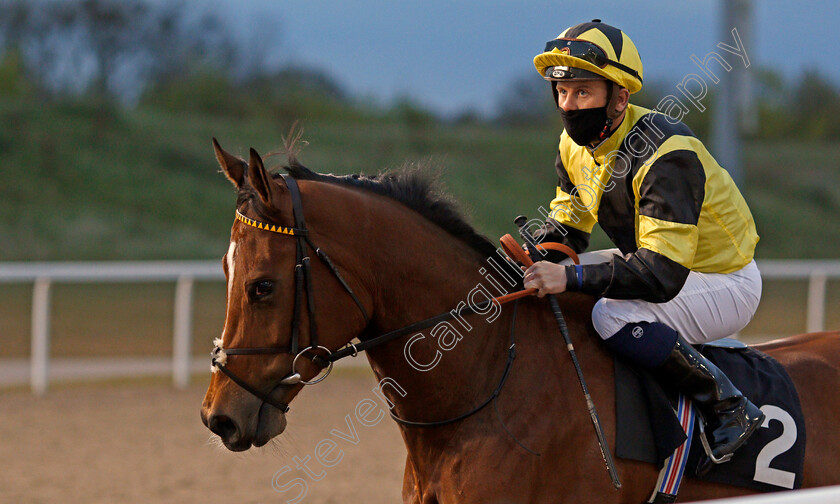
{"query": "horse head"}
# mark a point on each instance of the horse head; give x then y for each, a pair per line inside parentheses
(273, 342)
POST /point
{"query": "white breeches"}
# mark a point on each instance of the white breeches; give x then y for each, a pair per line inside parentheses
(710, 306)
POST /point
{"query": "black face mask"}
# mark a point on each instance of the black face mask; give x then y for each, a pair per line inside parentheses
(584, 126)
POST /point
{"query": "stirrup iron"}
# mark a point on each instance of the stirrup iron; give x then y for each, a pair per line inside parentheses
(708, 449)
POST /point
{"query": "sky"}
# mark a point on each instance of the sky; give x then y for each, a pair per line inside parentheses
(452, 55)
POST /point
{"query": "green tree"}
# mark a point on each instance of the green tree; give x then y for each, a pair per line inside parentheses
(527, 100)
(13, 80)
(816, 108)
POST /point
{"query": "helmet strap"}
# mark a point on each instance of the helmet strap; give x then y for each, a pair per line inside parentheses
(612, 99)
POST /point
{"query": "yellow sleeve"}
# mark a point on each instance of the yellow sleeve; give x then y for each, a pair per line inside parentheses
(566, 210)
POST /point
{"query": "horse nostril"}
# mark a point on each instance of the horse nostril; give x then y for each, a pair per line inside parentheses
(223, 426)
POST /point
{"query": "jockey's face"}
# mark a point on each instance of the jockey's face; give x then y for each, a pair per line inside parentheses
(581, 94)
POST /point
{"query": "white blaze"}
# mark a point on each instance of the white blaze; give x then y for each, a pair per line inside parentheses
(231, 269)
(230, 266)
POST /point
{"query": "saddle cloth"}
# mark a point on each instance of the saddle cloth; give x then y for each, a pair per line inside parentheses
(647, 428)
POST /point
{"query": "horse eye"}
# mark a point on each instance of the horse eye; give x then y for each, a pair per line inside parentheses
(261, 289)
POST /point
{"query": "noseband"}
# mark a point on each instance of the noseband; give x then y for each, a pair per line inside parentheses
(303, 283)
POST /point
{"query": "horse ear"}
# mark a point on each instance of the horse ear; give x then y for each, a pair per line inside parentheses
(260, 179)
(232, 166)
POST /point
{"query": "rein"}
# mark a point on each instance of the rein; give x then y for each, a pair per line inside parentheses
(303, 283)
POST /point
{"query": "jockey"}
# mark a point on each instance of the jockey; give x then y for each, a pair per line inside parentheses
(683, 272)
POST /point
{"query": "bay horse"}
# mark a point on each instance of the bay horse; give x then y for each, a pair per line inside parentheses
(399, 252)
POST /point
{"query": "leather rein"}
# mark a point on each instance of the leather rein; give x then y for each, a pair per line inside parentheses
(303, 283)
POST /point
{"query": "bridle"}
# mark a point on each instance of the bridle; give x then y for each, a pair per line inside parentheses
(303, 284)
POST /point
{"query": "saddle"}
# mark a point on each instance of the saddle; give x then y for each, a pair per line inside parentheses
(649, 430)
(656, 426)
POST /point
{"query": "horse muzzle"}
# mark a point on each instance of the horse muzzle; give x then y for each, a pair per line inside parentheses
(240, 434)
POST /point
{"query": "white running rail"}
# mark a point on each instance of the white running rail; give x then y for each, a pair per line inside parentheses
(817, 272)
(44, 274)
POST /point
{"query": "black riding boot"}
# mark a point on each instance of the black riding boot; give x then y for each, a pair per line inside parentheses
(730, 417)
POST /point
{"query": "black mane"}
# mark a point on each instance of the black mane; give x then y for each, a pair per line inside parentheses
(415, 188)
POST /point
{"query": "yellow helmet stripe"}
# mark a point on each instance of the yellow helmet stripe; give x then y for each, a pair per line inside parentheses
(625, 67)
(598, 38)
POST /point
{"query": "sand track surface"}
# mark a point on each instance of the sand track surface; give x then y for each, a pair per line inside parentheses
(144, 442)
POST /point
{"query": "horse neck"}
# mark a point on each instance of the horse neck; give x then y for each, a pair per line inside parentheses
(413, 270)
(543, 381)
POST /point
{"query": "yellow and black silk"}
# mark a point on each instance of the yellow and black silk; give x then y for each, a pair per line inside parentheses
(625, 67)
(661, 197)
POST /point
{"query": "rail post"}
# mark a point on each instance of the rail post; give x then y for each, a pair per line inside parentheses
(39, 360)
(182, 334)
(817, 281)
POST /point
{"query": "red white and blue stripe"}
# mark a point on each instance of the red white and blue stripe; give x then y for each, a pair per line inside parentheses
(672, 472)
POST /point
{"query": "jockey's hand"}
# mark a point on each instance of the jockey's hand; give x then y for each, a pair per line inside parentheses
(546, 277)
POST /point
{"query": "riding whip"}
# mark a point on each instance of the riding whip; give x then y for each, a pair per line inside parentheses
(521, 222)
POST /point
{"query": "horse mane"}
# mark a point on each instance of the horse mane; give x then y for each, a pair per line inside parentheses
(416, 187)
